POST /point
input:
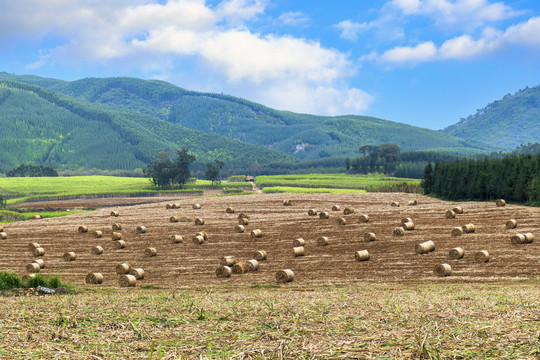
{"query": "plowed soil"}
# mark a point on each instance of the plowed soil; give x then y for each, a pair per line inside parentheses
(393, 259)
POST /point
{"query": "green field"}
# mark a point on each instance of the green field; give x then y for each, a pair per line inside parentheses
(303, 190)
(340, 181)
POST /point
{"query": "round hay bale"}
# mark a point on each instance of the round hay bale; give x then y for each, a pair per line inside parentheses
(138, 273)
(529, 238)
(395, 204)
(119, 244)
(406, 220)
(362, 255)
(341, 221)
(257, 233)
(37, 217)
(399, 231)
(98, 234)
(3, 235)
(324, 215)
(254, 265)
(363, 218)
(176, 206)
(115, 213)
(450, 214)
(1, 228)
(299, 251)
(141, 229)
(32, 246)
(223, 272)
(175, 239)
(94, 278)
(227, 261)
(116, 236)
(241, 267)
(408, 226)
(312, 212)
(481, 256)
(456, 253)
(40, 262)
(83, 229)
(518, 239)
(116, 227)
(229, 210)
(239, 228)
(413, 203)
(369, 236)
(199, 221)
(243, 221)
(198, 239)
(69, 256)
(127, 281)
(174, 219)
(284, 276)
(97, 250)
(203, 234)
(336, 208)
(322, 241)
(243, 215)
(500, 202)
(150, 251)
(298, 242)
(196, 206)
(442, 270)
(260, 255)
(287, 202)
(425, 247)
(32, 268)
(511, 224)
(27, 277)
(458, 210)
(468, 228)
(39, 251)
(169, 206)
(348, 211)
(123, 268)
(457, 231)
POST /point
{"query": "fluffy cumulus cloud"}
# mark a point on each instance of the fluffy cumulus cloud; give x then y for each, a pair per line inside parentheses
(279, 70)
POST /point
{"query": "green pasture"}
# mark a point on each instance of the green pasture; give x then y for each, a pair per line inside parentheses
(303, 190)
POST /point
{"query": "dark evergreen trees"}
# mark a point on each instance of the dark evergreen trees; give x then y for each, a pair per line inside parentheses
(165, 173)
(24, 170)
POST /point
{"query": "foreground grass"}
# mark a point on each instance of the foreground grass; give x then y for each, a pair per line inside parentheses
(423, 321)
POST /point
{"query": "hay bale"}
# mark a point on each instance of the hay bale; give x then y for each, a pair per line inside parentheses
(115, 213)
(3, 235)
(174, 219)
(336, 208)
(456, 253)
(442, 270)
(37, 217)
(298, 242)
(458, 210)
(348, 211)
(413, 203)
(299, 251)
(254, 265)
(229, 210)
(127, 281)
(32, 268)
(450, 214)
(1, 228)
(196, 206)
(287, 202)
(40, 262)
(408, 226)
(116, 236)
(97, 250)
(457, 231)
(406, 220)
(199, 221)
(176, 206)
(341, 221)
(227, 261)
(69, 256)
(529, 238)
(362, 255)
(27, 277)
(169, 206)
(123, 268)
(116, 227)
(260, 255)
(198, 239)
(257, 233)
(312, 212)
(511, 224)
(425, 247)
(203, 234)
(395, 204)
(239, 228)
(175, 239)
(399, 231)
(243, 215)
(39, 251)
(94, 278)
(363, 218)
(241, 267)
(243, 221)
(284, 276)
(83, 229)
(518, 239)
(32, 246)
(500, 202)
(481, 256)
(223, 271)
(138, 273)
(322, 241)
(468, 228)
(119, 244)
(141, 229)
(324, 215)
(150, 251)
(98, 234)
(369, 236)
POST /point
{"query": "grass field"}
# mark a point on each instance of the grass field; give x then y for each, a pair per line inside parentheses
(304, 190)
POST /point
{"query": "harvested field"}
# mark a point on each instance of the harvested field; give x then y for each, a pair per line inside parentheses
(392, 259)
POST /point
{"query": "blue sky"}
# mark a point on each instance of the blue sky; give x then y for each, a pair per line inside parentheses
(422, 62)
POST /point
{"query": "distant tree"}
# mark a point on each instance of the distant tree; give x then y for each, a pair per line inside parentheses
(427, 181)
(347, 163)
(212, 171)
(161, 171)
(181, 166)
(24, 170)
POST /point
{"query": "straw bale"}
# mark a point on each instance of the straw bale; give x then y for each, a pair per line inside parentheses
(363, 218)
(196, 206)
(239, 228)
(123, 268)
(481, 256)
(399, 231)
(3, 235)
(442, 270)
(348, 211)
(98, 234)
(257, 233)
(241, 267)
(116, 227)
(175, 239)
(406, 220)
(456, 253)
(336, 208)
(322, 241)
(369, 236)
(116, 236)
(83, 229)
(229, 210)
(39, 251)
(254, 265)
(341, 221)
(37, 217)
(324, 215)
(362, 255)
(141, 229)
(94, 278)
(458, 210)
(198, 239)
(127, 281)
(150, 251)
(518, 239)
(138, 273)
(115, 213)
(450, 214)
(40, 262)
(395, 203)
(203, 234)
(243, 221)
(468, 228)
(425, 247)
(199, 221)
(500, 202)
(119, 244)
(97, 250)
(243, 215)
(511, 224)
(174, 219)
(298, 242)
(223, 271)
(32, 268)
(457, 231)
(287, 202)
(260, 255)
(299, 251)
(408, 226)
(69, 256)
(227, 261)
(33, 245)
(413, 203)
(284, 276)
(312, 212)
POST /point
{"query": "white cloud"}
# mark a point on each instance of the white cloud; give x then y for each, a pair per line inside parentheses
(350, 29)
(402, 54)
(526, 33)
(293, 18)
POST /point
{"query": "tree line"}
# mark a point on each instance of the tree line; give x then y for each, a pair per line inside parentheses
(25, 170)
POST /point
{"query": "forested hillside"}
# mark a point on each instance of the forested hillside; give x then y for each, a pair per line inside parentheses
(40, 126)
(505, 123)
(303, 136)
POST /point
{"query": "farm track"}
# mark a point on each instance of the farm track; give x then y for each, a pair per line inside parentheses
(186, 264)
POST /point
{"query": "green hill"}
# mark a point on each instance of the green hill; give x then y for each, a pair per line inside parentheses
(505, 123)
(307, 137)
